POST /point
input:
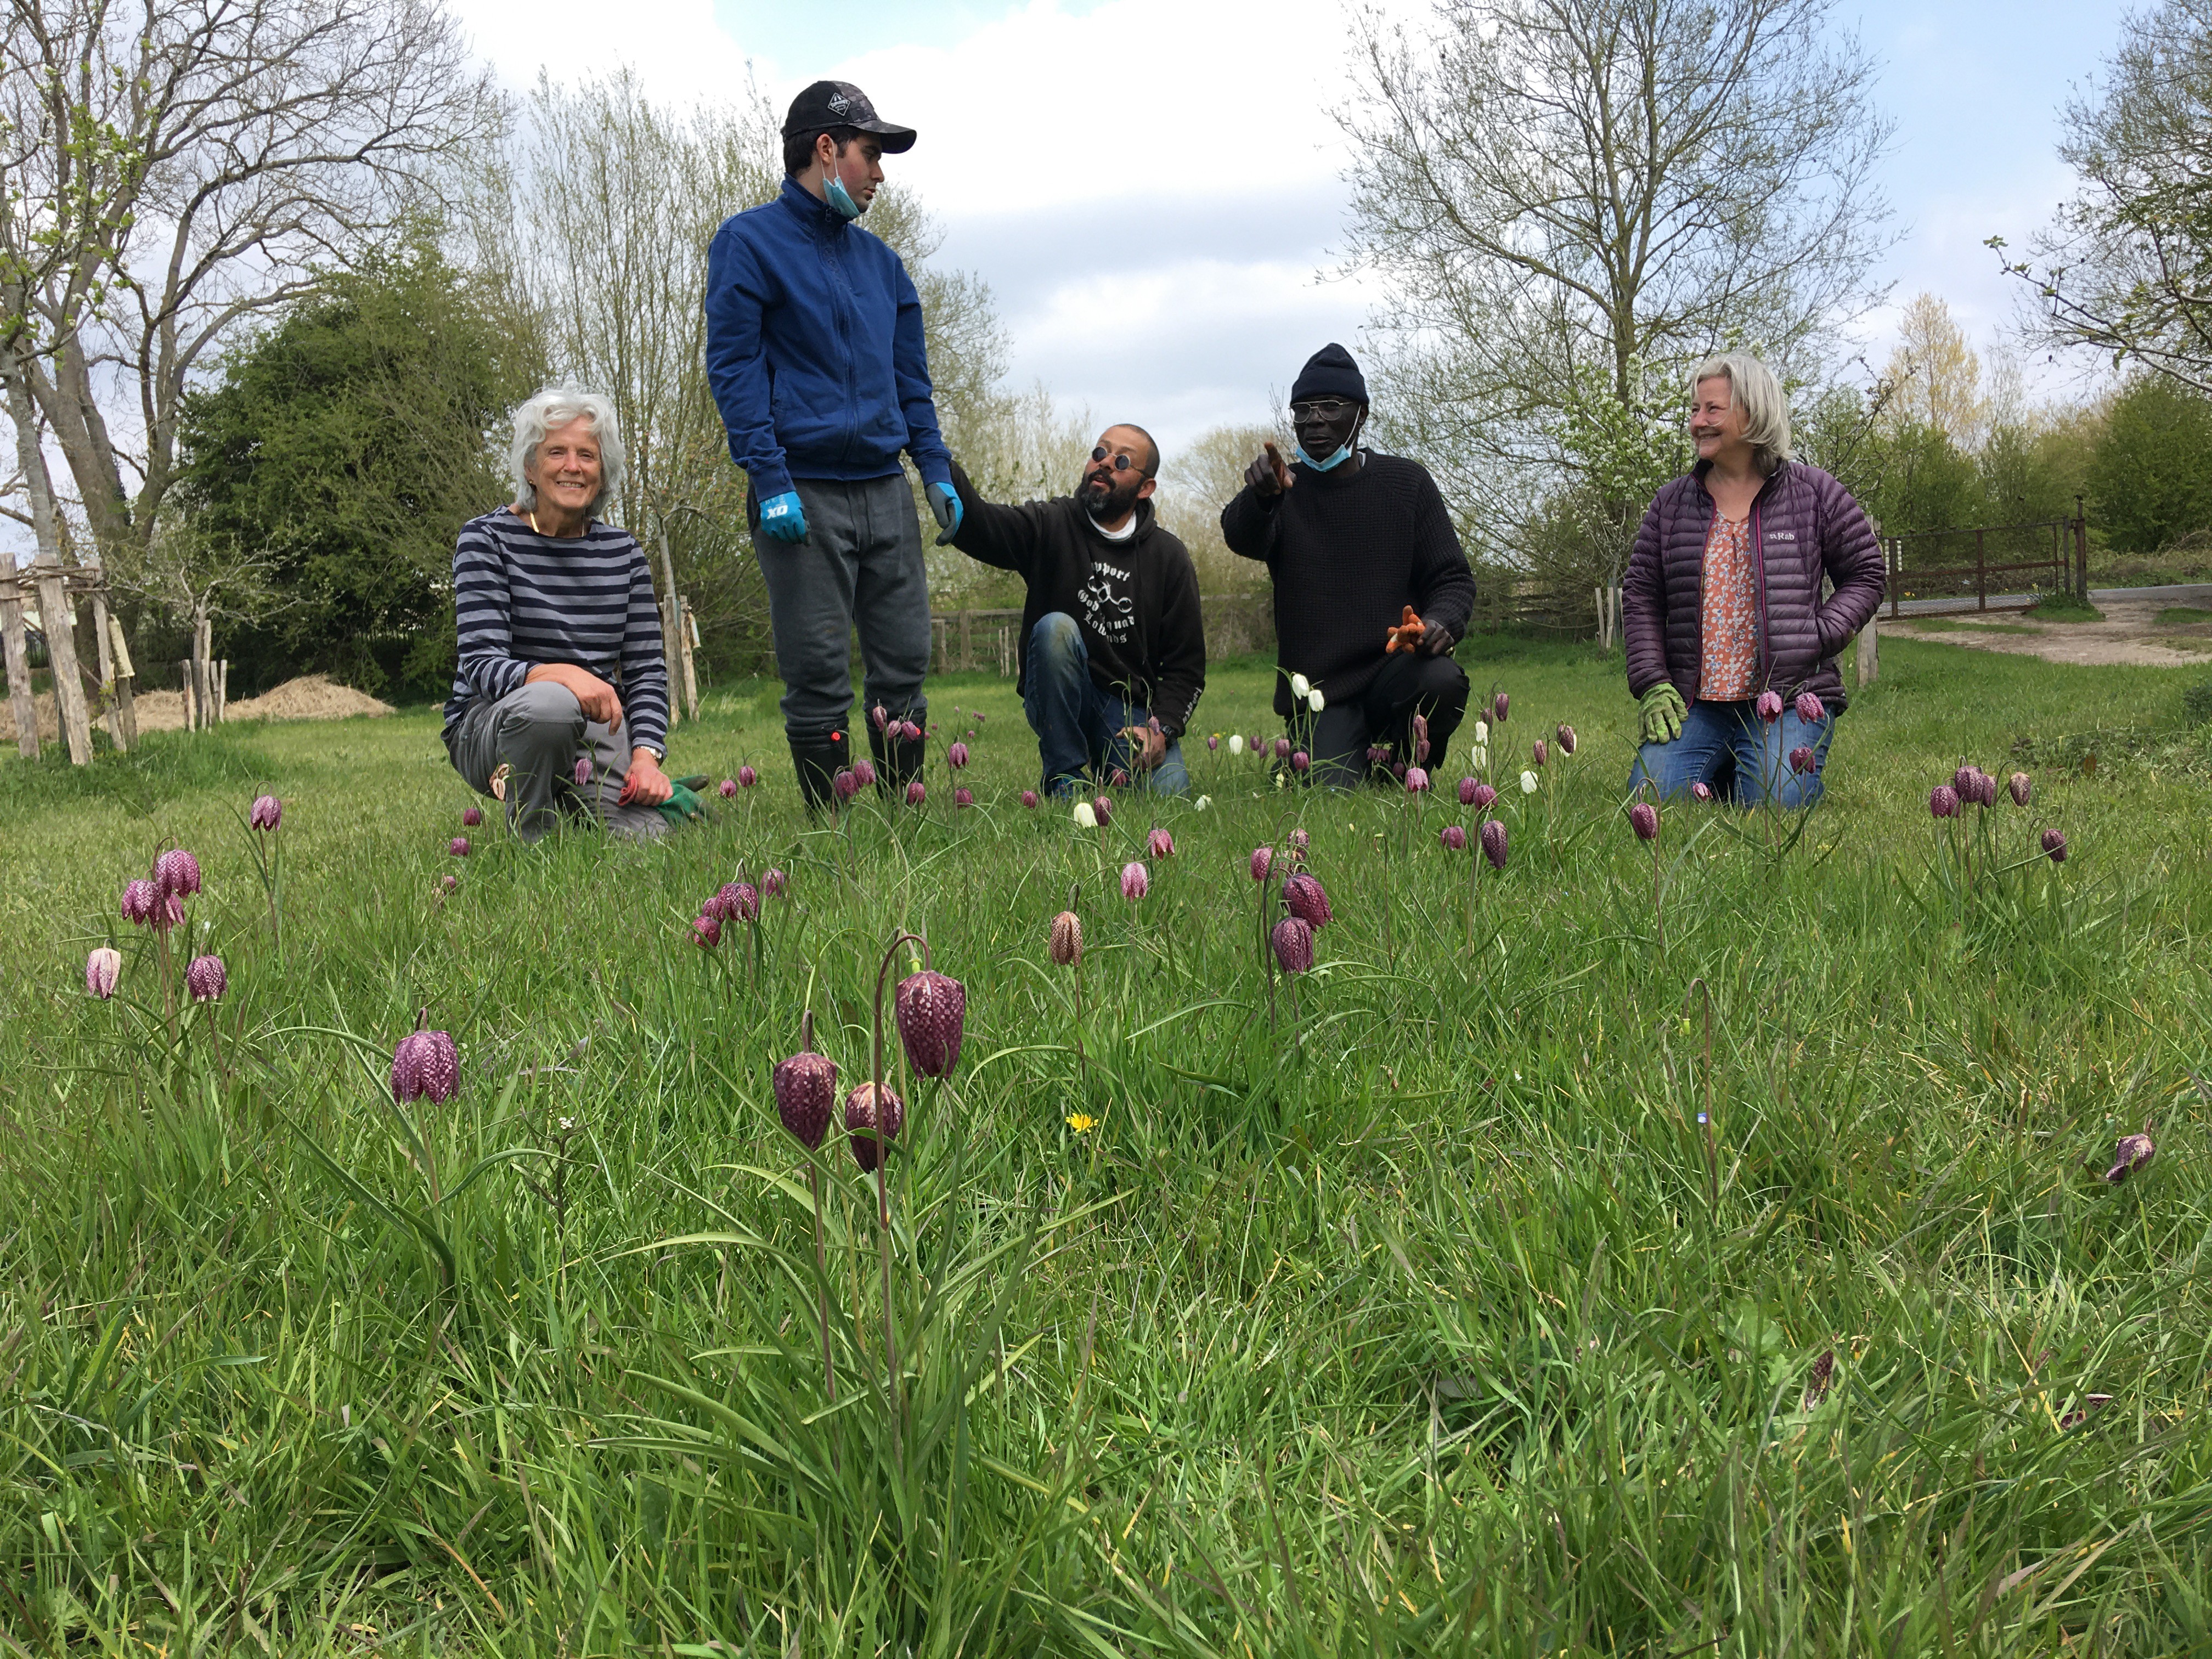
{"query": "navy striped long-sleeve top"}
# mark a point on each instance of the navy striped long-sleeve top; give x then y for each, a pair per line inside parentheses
(520, 599)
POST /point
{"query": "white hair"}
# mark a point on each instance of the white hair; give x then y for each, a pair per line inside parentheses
(551, 409)
(1766, 407)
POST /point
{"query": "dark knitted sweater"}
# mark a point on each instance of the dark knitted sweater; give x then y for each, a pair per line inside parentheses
(1348, 552)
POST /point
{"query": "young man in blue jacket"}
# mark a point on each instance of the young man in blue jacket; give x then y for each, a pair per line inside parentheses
(814, 351)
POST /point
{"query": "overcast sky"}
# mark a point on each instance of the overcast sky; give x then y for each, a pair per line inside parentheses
(1152, 187)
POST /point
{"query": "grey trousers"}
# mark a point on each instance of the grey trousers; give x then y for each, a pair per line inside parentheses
(860, 566)
(539, 732)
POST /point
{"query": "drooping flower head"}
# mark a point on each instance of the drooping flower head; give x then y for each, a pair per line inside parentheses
(1299, 686)
(1263, 860)
(1136, 881)
(177, 874)
(1467, 788)
(1985, 788)
(1417, 780)
(843, 785)
(1421, 739)
(1119, 779)
(1943, 801)
(932, 1010)
(740, 901)
(915, 793)
(962, 795)
(1801, 758)
(2054, 843)
(1701, 791)
(205, 979)
(1499, 706)
(471, 817)
(1300, 760)
(805, 1095)
(864, 775)
(1293, 942)
(448, 881)
(1493, 843)
(774, 883)
(881, 717)
(266, 813)
(140, 900)
(707, 929)
(1452, 837)
(874, 1117)
(2019, 786)
(2130, 1155)
(1299, 841)
(1067, 941)
(1213, 740)
(911, 732)
(1376, 755)
(425, 1066)
(1282, 748)
(458, 846)
(583, 770)
(102, 968)
(1528, 783)
(1030, 799)
(1644, 819)
(728, 789)
(1159, 844)
(1086, 815)
(1769, 706)
(1565, 734)
(1236, 743)
(747, 777)
(1810, 708)
(1314, 701)
(1483, 798)
(957, 756)
(1306, 899)
(1540, 752)
(1104, 806)
(1963, 781)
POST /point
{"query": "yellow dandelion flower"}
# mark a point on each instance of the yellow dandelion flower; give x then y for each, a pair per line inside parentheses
(1081, 1123)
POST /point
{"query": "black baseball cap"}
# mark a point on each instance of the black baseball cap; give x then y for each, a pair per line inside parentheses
(828, 104)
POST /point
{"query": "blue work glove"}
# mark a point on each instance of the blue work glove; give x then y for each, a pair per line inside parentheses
(783, 518)
(945, 502)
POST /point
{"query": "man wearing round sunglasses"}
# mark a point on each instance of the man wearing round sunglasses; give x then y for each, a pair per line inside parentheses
(1113, 648)
(1372, 589)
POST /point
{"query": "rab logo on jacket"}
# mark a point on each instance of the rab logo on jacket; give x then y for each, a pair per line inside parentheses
(1782, 535)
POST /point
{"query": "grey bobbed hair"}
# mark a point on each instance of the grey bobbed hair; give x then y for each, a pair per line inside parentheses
(1753, 389)
(551, 409)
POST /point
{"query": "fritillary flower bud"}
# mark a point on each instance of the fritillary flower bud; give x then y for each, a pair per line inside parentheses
(1528, 783)
(1769, 706)
(1467, 788)
(1300, 760)
(747, 777)
(775, 884)
(1421, 739)
(425, 1066)
(471, 817)
(707, 931)
(1299, 686)
(1236, 743)
(1104, 806)
(2054, 843)
(1293, 942)
(1282, 748)
(962, 796)
(2019, 786)
(2130, 1155)
(1810, 708)
(1159, 845)
(1493, 843)
(1540, 752)
(805, 1095)
(1499, 706)
(205, 979)
(881, 716)
(1263, 860)
(1454, 838)
(1701, 791)
(266, 813)
(915, 793)
(140, 900)
(864, 775)
(911, 732)
(1483, 798)
(1213, 740)
(932, 1010)
(1314, 701)
(1801, 758)
(583, 770)
(1304, 897)
(177, 873)
(874, 1117)
(1086, 815)
(1136, 881)
(1644, 819)
(1417, 780)
(728, 789)
(1067, 941)
(957, 756)
(1943, 801)
(1565, 734)
(1030, 799)
(458, 846)
(102, 968)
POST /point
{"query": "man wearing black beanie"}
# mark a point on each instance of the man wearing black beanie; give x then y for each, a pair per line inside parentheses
(1372, 589)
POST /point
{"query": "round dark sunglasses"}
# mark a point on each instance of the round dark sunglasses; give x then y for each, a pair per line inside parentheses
(1121, 462)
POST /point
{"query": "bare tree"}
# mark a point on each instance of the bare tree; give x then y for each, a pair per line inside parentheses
(177, 167)
(1571, 199)
(2125, 268)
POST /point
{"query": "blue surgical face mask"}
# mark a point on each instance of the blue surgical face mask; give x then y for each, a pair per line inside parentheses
(1338, 457)
(840, 199)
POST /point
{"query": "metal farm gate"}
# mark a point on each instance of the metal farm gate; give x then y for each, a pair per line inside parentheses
(2012, 565)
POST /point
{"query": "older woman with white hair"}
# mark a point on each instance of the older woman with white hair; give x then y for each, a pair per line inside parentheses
(1731, 645)
(560, 700)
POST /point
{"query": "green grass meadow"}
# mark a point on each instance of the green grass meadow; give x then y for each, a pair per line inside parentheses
(1425, 1318)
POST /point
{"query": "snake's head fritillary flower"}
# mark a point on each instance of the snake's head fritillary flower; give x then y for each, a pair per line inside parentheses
(1119, 779)
(1769, 706)
(1306, 899)
(1136, 881)
(2019, 786)
(843, 785)
(2054, 843)
(775, 884)
(728, 789)
(1500, 706)
(1985, 788)
(1483, 798)
(1104, 806)
(1528, 783)
(1293, 942)
(1963, 781)
(1417, 780)
(1299, 842)
(874, 1117)
(1299, 686)
(1701, 791)
(205, 979)
(864, 775)
(1213, 741)
(1236, 743)
(962, 796)
(881, 716)
(1644, 819)
(1086, 815)
(707, 931)
(1565, 734)
(957, 756)
(1481, 732)
(1300, 760)
(1493, 843)
(1467, 788)
(932, 1010)
(911, 732)
(741, 901)
(1420, 739)
(1810, 708)
(266, 813)
(471, 817)
(102, 968)
(1030, 799)
(425, 1066)
(458, 846)
(1263, 860)
(140, 900)
(977, 715)
(1540, 752)
(747, 777)
(1159, 845)
(583, 772)
(805, 1095)
(1376, 755)
(1314, 701)
(1943, 801)
(1067, 941)
(1801, 758)
(177, 873)
(2130, 1155)
(1452, 837)
(169, 912)
(915, 793)
(448, 881)
(1282, 748)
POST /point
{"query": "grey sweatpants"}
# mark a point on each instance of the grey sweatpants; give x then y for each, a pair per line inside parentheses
(539, 732)
(860, 565)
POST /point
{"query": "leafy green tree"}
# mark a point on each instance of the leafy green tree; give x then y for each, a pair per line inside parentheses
(2150, 474)
(1926, 481)
(347, 445)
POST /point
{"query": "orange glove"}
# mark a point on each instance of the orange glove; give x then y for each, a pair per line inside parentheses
(1405, 635)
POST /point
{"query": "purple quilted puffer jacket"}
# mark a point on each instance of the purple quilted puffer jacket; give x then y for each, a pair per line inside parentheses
(1803, 525)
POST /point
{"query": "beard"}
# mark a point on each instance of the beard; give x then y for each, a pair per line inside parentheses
(1116, 500)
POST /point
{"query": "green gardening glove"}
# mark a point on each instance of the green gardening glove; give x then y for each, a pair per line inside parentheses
(1663, 712)
(682, 805)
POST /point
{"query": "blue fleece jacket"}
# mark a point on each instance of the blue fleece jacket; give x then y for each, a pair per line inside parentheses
(814, 349)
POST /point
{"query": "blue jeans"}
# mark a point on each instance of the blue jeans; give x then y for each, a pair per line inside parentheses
(1719, 739)
(1078, 725)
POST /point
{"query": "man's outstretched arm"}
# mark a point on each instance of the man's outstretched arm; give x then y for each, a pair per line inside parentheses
(1003, 536)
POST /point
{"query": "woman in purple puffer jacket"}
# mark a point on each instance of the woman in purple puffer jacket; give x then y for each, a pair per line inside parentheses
(1731, 648)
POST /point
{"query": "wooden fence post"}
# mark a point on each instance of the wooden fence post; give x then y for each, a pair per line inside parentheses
(967, 645)
(687, 640)
(670, 621)
(16, 644)
(185, 684)
(223, 690)
(127, 708)
(56, 620)
(1868, 655)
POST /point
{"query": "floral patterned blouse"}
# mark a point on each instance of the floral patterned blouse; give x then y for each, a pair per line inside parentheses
(1731, 613)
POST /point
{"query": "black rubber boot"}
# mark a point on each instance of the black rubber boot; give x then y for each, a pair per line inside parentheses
(899, 759)
(817, 760)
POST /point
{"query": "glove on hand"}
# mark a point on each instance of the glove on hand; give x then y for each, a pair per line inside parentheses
(1405, 635)
(682, 805)
(783, 518)
(945, 502)
(1663, 712)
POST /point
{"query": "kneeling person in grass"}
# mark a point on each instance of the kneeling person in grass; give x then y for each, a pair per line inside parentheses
(558, 630)
(1113, 651)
